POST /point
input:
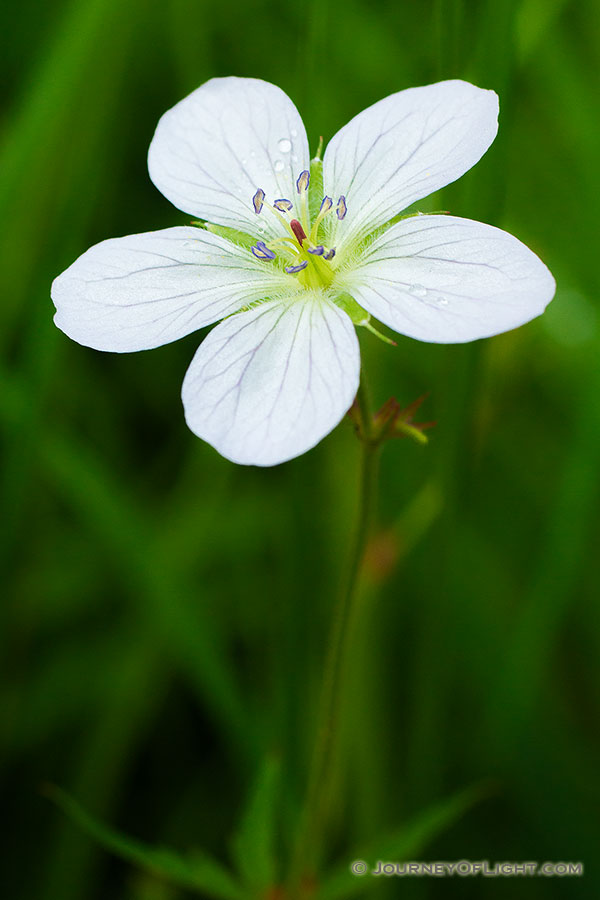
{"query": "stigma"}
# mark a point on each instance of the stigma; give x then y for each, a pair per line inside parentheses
(298, 231)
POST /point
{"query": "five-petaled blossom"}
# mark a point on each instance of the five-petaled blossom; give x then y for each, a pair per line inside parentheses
(292, 255)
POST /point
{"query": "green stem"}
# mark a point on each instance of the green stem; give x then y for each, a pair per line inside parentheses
(313, 822)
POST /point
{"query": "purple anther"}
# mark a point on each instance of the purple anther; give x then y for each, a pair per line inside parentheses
(341, 208)
(291, 270)
(257, 200)
(283, 205)
(317, 251)
(330, 254)
(261, 251)
(326, 204)
(303, 181)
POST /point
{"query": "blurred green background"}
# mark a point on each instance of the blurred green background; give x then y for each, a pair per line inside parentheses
(165, 612)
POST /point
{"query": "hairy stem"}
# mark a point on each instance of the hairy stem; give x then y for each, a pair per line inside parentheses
(314, 819)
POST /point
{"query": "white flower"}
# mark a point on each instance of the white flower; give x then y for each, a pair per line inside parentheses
(294, 257)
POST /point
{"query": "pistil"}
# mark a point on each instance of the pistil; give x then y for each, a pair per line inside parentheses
(298, 231)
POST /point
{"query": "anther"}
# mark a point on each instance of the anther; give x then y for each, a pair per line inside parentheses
(298, 231)
(283, 205)
(317, 251)
(291, 270)
(261, 251)
(257, 200)
(330, 254)
(341, 207)
(326, 204)
(303, 181)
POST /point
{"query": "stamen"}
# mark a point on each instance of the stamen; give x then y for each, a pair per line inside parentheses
(298, 231)
(291, 270)
(287, 242)
(326, 204)
(261, 251)
(303, 181)
(257, 200)
(282, 208)
(276, 212)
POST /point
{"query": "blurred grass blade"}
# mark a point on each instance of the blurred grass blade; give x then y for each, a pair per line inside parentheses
(254, 846)
(183, 625)
(67, 108)
(535, 18)
(520, 682)
(198, 873)
(401, 845)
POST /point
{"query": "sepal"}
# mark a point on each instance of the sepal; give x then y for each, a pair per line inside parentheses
(358, 315)
(315, 189)
(231, 234)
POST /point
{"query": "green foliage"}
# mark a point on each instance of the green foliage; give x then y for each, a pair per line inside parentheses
(255, 844)
(403, 845)
(197, 872)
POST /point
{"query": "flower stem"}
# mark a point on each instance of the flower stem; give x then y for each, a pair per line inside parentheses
(322, 775)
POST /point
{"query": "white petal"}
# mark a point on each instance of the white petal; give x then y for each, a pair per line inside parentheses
(404, 148)
(268, 384)
(141, 291)
(213, 151)
(449, 280)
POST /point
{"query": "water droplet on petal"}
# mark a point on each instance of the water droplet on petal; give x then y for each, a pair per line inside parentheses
(278, 165)
(284, 145)
(293, 132)
(417, 290)
(442, 301)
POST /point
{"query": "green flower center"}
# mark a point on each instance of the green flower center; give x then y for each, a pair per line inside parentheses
(298, 247)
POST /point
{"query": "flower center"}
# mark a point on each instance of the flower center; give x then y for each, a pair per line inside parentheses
(298, 247)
